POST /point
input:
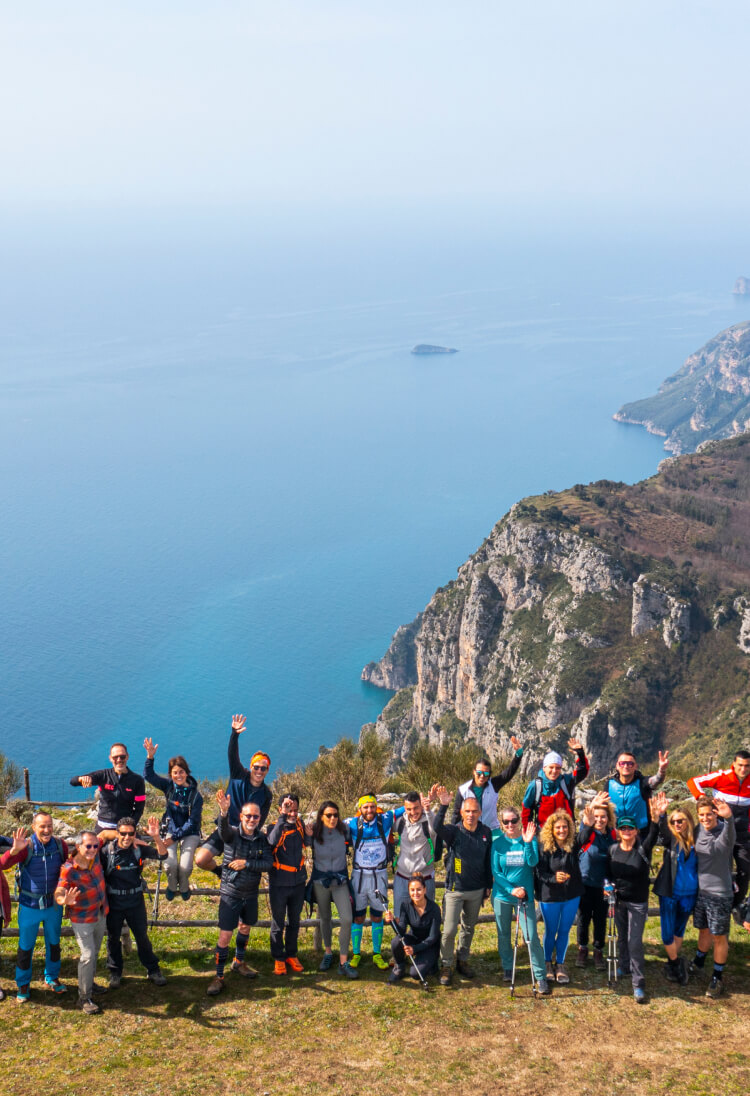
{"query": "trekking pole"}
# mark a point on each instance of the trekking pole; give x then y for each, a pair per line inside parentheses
(515, 953)
(524, 907)
(420, 976)
(155, 911)
(611, 939)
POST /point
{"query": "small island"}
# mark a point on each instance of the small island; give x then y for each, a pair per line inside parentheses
(428, 348)
(742, 287)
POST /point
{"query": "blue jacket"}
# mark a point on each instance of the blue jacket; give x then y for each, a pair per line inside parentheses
(40, 871)
(594, 860)
(184, 803)
(632, 798)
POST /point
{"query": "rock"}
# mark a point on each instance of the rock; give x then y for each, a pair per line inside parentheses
(653, 605)
(398, 667)
(742, 608)
(63, 829)
(742, 286)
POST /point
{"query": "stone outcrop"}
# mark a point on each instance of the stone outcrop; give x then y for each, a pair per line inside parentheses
(653, 606)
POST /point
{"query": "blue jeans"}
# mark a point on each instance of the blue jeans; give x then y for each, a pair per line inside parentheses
(29, 921)
(558, 920)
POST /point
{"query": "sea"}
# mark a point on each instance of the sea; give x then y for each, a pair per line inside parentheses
(224, 479)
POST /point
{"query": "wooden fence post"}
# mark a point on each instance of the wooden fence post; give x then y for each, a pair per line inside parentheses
(26, 785)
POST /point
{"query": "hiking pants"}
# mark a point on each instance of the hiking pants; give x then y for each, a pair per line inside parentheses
(593, 907)
(179, 869)
(89, 935)
(29, 921)
(426, 961)
(460, 908)
(742, 863)
(558, 919)
(506, 935)
(286, 905)
(338, 893)
(135, 916)
(401, 891)
(630, 918)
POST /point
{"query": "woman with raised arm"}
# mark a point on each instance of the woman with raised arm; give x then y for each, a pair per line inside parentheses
(184, 807)
(677, 882)
(594, 860)
(327, 837)
(515, 854)
(417, 924)
(560, 889)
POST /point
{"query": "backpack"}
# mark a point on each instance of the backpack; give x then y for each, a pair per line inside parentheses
(436, 846)
(538, 796)
(280, 845)
(388, 842)
(22, 863)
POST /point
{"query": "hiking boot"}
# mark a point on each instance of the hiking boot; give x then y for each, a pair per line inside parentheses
(582, 957)
(379, 961)
(507, 975)
(55, 985)
(98, 989)
(715, 987)
(279, 966)
(463, 968)
(622, 972)
(695, 968)
(239, 966)
(600, 963)
(684, 976)
(550, 968)
(23, 995)
(88, 1006)
(561, 975)
(355, 961)
(157, 977)
(346, 970)
(326, 962)
(672, 972)
(543, 988)
(446, 976)
(170, 894)
(115, 978)
(294, 964)
(639, 995)
(396, 975)
(215, 986)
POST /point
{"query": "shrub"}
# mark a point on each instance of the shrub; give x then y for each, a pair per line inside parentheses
(342, 773)
(10, 778)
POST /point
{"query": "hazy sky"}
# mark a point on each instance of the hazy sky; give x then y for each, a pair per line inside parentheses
(190, 100)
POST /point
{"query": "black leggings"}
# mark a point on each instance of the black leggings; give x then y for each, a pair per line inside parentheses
(286, 905)
(593, 907)
(427, 961)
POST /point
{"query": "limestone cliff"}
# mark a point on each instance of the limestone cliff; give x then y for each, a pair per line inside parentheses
(617, 614)
(709, 397)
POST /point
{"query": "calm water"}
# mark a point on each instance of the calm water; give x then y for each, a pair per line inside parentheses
(225, 480)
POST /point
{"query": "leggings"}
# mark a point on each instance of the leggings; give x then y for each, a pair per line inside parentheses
(558, 919)
(594, 907)
(180, 867)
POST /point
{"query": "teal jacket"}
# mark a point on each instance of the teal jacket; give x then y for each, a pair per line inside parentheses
(513, 862)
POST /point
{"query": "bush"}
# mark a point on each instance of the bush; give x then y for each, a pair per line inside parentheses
(342, 773)
(10, 778)
(450, 764)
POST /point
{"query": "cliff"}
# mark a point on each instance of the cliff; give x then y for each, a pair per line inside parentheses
(619, 614)
(709, 397)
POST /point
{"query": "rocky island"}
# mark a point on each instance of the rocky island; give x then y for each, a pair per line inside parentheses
(428, 348)
(742, 286)
(618, 614)
(709, 397)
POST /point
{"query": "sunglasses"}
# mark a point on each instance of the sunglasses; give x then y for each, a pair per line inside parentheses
(679, 821)
(119, 757)
(330, 814)
(126, 833)
(626, 764)
(481, 772)
(627, 829)
(94, 846)
(259, 768)
(251, 816)
(509, 821)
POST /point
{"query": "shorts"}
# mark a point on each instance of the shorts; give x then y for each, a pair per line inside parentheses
(365, 881)
(675, 914)
(215, 845)
(714, 914)
(232, 910)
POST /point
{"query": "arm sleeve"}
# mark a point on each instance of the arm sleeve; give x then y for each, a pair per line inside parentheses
(726, 838)
(193, 824)
(531, 852)
(654, 781)
(8, 861)
(543, 869)
(488, 880)
(697, 784)
(153, 777)
(528, 803)
(97, 778)
(139, 802)
(648, 842)
(264, 860)
(237, 770)
(664, 831)
(456, 813)
(508, 773)
(433, 937)
(581, 770)
(226, 830)
(444, 829)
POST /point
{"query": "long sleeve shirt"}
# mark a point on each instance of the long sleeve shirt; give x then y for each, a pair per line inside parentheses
(470, 851)
(513, 863)
(420, 931)
(184, 803)
(486, 794)
(92, 902)
(630, 870)
(714, 851)
(121, 795)
(241, 790)
(543, 796)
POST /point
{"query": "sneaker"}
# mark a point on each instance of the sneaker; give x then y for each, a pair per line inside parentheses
(23, 995)
(561, 975)
(294, 964)
(582, 957)
(185, 895)
(639, 995)
(55, 985)
(446, 976)
(157, 977)
(239, 966)
(396, 975)
(88, 1006)
(463, 968)
(715, 987)
(622, 973)
(695, 968)
(215, 986)
(543, 988)
(355, 961)
(600, 963)
(115, 978)
(684, 976)
(279, 966)
(507, 975)
(379, 961)
(98, 989)
(346, 970)
(327, 961)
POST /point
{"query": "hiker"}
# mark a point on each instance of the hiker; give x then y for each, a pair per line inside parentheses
(286, 884)
(40, 859)
(515, 854)
(714, 841)
(82, 893)
(327, 837)
(245, 786)
(417, 846)
(593, 861)
(122, 863)
(122, 793)
(676, 884)
(733, 786)
(628, 872)
(629, 790)
(369, 834)
(418, 925)
(184, 806)
(246, 856)
(552, 790)
(560, 888)
(5, 910)
(468, 882)
(485, 787)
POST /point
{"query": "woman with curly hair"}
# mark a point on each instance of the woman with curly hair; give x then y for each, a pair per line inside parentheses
(560, 888)
(676, 884)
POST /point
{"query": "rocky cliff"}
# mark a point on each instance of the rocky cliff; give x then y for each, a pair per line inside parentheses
(619, 614)
(709, 397)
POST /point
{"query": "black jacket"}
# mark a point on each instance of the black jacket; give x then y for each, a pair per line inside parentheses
(121, 796)
(630, 871)
(558, 860)
(238, 846)
(419, 931)
(668, 871)
(123, 872)
(468, 865)
(287, 841)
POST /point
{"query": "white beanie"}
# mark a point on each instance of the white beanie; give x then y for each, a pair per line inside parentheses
(552, 758)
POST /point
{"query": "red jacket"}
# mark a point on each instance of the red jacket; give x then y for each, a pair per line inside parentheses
(4, 898)
(726, 785)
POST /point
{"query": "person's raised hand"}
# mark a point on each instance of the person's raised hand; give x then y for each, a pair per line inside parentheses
(20, 840)
(153, 826)
(238, 723)
(574, 744)
(444, 796)
(530, 832)
(71, 896)
(150, 748)
(223, 800)
(663, 761)
(434, 791)
(515, 742)
(722, 808)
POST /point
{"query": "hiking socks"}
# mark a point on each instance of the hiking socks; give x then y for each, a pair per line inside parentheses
(240, 945)
(222, 954)
(377, 937)
(718, 970)
(700, 958)
(357, 931)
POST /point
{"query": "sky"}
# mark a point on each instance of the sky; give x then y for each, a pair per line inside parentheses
(184, 102)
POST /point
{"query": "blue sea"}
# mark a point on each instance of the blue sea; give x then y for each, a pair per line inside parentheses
(225, 479)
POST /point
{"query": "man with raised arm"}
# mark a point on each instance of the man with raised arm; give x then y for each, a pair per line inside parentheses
(552, 789)
(630, 791)
(122, 793)
(733, 786)
(485, 787)
(41, 858)
(245, 786)
(417, 846)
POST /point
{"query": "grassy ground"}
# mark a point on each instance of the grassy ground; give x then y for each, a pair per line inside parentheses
(319, 1033)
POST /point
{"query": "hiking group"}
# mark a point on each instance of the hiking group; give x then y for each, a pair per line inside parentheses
(595, 874)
